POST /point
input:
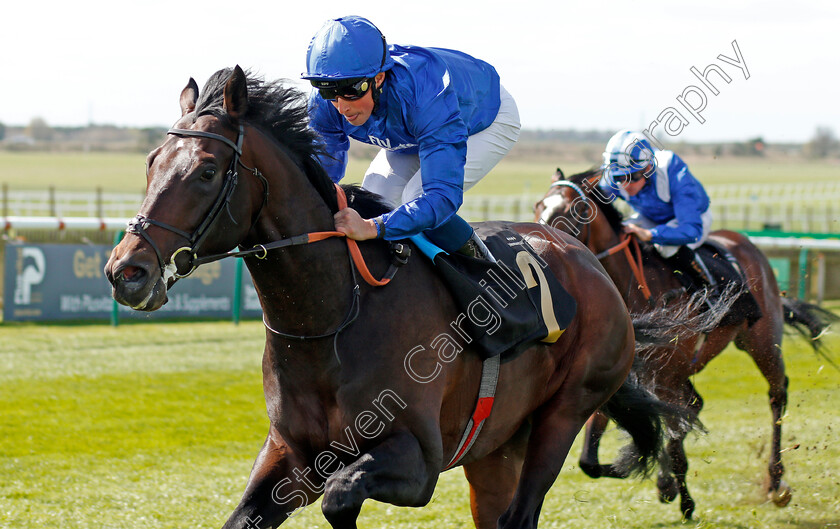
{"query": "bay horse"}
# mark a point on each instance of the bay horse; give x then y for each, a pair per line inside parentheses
(368, 389)
(576, 206)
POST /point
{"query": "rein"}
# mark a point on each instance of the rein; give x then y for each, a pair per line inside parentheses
(260, 251)
(139, 224)
(634, 261)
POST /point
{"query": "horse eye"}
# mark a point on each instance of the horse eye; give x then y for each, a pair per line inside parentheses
(208, 174)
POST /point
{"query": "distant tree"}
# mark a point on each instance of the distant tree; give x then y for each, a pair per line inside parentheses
(823, 144)
(756, 146)
(149, 138)
(39, 130)
(751, 147)
(2, 131)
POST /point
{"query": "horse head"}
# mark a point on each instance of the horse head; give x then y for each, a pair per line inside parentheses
(568, 204)
(204, 193)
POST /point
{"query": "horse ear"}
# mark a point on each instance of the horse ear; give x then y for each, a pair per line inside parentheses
(558, 175)
(236, 94)
(189, 95)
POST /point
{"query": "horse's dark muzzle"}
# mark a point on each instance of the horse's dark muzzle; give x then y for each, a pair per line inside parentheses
(135, 285)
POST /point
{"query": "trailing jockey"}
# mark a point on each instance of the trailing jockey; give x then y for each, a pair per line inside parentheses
(671, 207)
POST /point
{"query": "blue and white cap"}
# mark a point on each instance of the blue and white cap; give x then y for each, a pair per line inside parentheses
(626, 152)
(347, 48)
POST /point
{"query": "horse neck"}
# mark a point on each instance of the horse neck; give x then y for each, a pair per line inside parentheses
(303, 290)
(294, 205)
(602, 237)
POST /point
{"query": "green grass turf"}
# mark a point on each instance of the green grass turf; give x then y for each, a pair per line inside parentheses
(74, 171)
(157, 425)
(517, 176)
(126, 172)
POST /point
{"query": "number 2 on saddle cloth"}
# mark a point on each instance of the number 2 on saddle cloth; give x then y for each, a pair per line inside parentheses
(507, 306)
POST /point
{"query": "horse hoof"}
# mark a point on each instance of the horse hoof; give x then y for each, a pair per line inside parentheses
(593, 471)
(781, 496)
(668, 490)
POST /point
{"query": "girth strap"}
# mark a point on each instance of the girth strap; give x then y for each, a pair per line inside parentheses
(483, 407)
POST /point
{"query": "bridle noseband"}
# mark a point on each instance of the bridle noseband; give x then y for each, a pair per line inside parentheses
(140, 223)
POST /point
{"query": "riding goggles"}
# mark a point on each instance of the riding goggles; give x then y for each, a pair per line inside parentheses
(348, 89)
(637, 175)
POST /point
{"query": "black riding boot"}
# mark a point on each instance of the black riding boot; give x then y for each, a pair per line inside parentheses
(475, 247)
(691, 270)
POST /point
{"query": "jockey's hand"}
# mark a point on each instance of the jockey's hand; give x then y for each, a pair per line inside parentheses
(642, 233)
(349, 222)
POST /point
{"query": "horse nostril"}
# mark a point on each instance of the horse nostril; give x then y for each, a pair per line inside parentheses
(132, 273)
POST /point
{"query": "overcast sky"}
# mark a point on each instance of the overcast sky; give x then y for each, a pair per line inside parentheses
(588, 65)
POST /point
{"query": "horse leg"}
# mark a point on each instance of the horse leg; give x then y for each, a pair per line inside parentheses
(666, 483)
(395, 471)
(679, 465)
(765, 349)
(596, 425)
(674, 464)
(493, 479)
(275, 487)
(555, 426)
(763, 342)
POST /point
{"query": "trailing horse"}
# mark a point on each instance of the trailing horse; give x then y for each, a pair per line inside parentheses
(368, 389)
(643, 278)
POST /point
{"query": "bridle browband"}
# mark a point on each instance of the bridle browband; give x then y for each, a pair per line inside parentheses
(577, 189)
(140, 223)
(574, 186)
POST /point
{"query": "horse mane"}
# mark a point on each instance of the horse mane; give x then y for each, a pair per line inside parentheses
(611, 213)
(281, 111)
(367, 203)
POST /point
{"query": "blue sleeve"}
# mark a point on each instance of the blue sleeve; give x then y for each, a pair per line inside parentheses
(324, 119)
(435, 120)
(690, 202)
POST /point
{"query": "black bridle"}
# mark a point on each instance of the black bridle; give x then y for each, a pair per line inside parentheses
(139, 224)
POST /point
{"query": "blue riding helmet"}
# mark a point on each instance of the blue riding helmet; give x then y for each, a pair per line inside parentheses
(347, 48)
(626, 152)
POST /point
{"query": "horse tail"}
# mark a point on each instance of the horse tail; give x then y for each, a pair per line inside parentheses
(811, 322)
(634, 407)
(636, 410)
(666, 324)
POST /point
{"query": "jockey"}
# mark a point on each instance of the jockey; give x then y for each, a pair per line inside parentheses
(441, 117)
(672, 208)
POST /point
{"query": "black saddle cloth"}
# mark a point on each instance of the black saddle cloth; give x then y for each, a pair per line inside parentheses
(724, 269)
(508, 306)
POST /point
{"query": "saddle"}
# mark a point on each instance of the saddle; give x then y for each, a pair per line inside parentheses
(508, 306)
